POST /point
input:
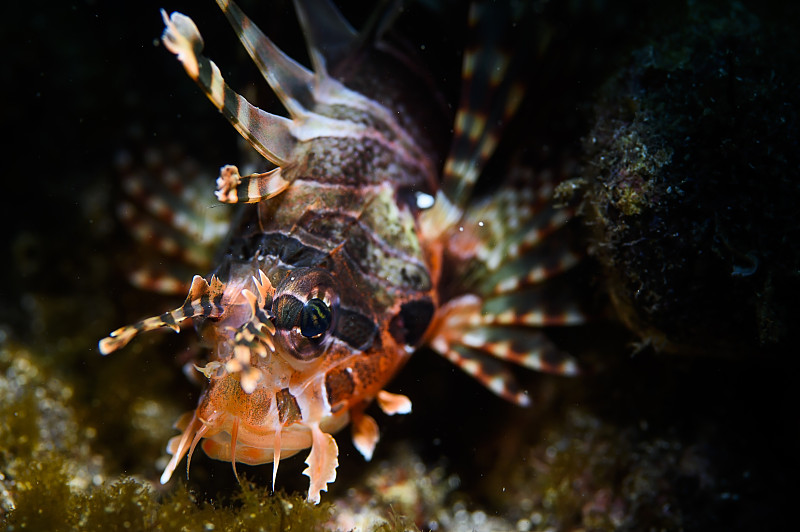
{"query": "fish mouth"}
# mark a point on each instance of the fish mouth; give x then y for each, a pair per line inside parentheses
(233, 438)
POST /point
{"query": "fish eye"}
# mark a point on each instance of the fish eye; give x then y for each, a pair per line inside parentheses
(305, 310)
(315, 318)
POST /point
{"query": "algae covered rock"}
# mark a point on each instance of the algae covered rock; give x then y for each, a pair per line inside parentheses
(694, 159)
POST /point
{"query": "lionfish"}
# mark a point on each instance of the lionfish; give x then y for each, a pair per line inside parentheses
(357, 249)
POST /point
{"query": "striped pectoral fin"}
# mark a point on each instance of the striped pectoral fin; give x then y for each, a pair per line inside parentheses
(234, 188)
(269, 134)
(449, 336)
(527, 265)
(523, 346)
(177, 197)
(491, 373)
(516, 224)
(164, 236)
(490, 95)
(322, 462)
(159, 280)
(550, 304)
(204, 300)
(167, 209)
(465, 333)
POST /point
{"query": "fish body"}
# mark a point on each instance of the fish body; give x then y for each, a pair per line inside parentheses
(336, 272)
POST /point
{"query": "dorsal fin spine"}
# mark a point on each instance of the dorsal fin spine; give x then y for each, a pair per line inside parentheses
(290, 80)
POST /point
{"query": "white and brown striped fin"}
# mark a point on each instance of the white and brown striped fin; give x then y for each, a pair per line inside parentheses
(166, 207)
(491, 93)
(163, 236)
(291, 81)
(271, 135)
(234, 188)
(546, 261)
(491, 373)
(511, 223)
(158, 279)
(314, 99)
(464, 334)
(516, 246)
(204, 300)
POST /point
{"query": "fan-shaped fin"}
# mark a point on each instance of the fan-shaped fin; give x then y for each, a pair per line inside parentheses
(157, 280)
(291, 81)
(508, 224)
(491, 373)
(167, 207)
(463, 324)
(546, 304)
(523, 346)
(182, 205)
(329, 36)
(269, 134)
(544, 261)
(542, 224)
(166, 238)
(491, 94)
(204, 300)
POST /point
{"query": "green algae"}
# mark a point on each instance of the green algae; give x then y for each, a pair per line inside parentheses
(44, 501)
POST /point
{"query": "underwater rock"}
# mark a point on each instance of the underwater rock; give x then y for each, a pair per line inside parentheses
(694, 162)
